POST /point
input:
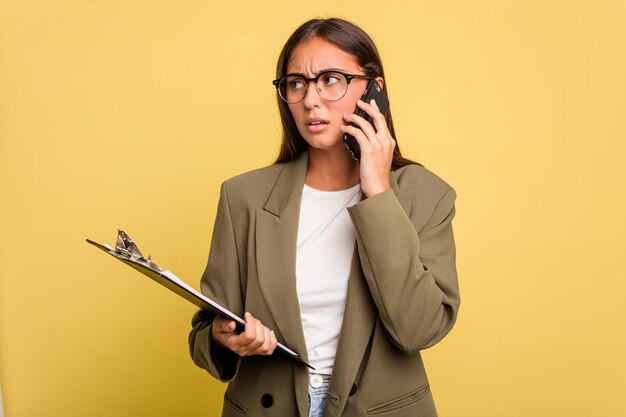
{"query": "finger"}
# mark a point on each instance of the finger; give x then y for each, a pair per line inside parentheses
(363, 124)
(222, 332)
(249, 333)
(267, 342)
(361, 138)
(259, 340)
(254, 346)
(250, 328)
(382, 134)
(228, 326)
(373, 110)
(273, 342)
(358, 134)
(368, 147)
(223, 325)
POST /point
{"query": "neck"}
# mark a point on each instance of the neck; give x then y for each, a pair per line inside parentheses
(331, 169)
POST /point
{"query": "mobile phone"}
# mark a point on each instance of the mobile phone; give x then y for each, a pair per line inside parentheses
(373, 91)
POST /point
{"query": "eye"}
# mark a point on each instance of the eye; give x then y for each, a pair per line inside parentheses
(295, 83)
(331, 78)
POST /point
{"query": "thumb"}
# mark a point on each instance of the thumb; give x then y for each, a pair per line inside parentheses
(229, 326)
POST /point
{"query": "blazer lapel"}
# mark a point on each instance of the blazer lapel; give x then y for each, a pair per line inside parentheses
(276, 240)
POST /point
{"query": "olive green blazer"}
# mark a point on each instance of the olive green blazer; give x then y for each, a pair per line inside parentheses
(402, 294)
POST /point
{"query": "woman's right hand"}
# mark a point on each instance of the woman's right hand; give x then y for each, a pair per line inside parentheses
(256, 339)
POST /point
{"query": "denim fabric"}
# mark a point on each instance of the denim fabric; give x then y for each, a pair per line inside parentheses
(317, 398)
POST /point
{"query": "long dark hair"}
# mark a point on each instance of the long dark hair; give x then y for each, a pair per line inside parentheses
(349, 38)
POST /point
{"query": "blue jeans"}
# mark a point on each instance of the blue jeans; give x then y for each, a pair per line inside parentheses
(317, 398)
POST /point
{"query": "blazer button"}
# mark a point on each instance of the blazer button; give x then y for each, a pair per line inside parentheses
(353, 389)
(267, 400)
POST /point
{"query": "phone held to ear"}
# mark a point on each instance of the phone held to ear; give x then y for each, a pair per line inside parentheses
(373, 91)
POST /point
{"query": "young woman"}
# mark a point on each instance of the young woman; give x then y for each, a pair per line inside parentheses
(351, 265)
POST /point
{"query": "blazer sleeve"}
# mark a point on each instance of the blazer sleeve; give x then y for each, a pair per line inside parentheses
(219, 282)
(411, 276)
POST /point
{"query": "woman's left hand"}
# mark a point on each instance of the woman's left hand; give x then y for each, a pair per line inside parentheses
(377, 147)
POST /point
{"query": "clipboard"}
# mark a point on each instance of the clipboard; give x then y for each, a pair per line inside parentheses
(126, 251)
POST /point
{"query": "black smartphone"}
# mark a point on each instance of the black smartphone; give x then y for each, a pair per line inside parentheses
(373, 91)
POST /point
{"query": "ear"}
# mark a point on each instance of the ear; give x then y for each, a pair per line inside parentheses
(381, 82)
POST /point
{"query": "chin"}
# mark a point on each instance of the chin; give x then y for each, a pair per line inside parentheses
(324, 140)
(324, 143)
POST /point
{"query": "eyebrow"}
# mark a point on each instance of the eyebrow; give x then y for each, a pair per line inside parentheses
(318, 72)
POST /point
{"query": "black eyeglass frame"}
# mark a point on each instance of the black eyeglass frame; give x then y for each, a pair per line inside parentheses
(348, 77)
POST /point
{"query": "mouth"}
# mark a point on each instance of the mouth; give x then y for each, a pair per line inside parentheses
(316, 125)
(315, 122)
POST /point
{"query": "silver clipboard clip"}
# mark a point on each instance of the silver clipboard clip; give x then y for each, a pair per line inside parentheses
(126, 250)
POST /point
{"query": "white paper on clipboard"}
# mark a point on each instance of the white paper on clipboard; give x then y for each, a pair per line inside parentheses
(126, 251)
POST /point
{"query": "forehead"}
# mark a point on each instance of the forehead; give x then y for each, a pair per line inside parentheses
(315, 55)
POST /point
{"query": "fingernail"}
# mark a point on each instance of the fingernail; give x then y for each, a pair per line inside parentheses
(373, 102)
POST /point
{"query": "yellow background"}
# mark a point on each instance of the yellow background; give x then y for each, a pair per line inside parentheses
(131, 113)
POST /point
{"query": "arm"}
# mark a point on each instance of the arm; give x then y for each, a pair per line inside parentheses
(219, 282)
(412, 278)
(214, 342)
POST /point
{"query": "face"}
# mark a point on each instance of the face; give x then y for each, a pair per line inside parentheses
(310, 58)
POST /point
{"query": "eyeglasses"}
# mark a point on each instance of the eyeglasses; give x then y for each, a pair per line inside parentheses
(331, 85)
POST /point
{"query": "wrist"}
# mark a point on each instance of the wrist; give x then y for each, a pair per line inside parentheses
(371, 192)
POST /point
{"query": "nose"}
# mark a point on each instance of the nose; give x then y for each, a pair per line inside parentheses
(311, 99)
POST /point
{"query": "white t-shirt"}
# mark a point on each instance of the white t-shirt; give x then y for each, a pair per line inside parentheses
(326, 241)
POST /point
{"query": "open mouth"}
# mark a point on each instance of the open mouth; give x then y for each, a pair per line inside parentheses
(315, 122)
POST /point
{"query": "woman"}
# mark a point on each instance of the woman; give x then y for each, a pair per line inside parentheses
(284, 249)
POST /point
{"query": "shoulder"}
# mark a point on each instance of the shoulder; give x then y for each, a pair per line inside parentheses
(421, 181)
(252, 186)
(432, 200)
(256, 178)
